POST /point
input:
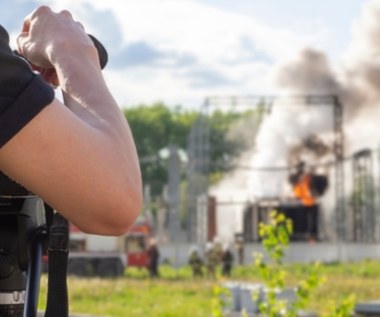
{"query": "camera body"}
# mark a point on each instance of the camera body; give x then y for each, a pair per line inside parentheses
(12, 272)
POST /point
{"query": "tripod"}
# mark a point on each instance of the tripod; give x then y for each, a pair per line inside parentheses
(25, 235)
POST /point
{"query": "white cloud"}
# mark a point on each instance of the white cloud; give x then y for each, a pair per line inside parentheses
(227, 52)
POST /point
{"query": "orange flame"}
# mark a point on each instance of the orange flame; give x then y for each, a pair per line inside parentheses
(302, 190)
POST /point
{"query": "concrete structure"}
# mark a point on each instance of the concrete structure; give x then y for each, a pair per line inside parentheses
(298, 252)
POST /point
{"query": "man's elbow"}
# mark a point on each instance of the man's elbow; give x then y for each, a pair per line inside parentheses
(117, 216)
(125, 217)
(126, 214)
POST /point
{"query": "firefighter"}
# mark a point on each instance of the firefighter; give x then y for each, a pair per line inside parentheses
(227, 261)
(212, 260)
(196, 263)
(153, 258)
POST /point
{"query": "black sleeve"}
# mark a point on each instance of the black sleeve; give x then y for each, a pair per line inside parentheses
(23, 94)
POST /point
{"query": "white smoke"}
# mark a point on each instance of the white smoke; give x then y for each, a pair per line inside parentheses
(356, 81)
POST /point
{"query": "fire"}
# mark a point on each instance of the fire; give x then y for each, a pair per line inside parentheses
(302, 190)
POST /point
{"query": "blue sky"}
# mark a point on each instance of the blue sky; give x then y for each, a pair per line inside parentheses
(336, 15)
(180, 51)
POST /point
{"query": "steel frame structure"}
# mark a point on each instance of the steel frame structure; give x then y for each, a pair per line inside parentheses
(363, 200)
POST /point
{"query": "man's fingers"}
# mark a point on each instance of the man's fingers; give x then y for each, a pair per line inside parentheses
(80, 25)
(50, 76)
(21, 40)
(28, 19)
(26, 26)
(42, 10)
(67, 14)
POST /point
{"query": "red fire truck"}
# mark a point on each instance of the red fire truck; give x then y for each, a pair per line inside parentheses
(108, 256)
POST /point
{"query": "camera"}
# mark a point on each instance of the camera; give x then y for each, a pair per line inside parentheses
(29, 228)
(22, 224)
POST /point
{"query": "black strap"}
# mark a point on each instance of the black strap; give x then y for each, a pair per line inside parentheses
(49, 214)
(22, 241)
(58, 250)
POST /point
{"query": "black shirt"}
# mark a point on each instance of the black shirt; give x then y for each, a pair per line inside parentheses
(23, 94)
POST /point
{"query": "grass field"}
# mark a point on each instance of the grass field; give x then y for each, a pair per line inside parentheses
(176, 294)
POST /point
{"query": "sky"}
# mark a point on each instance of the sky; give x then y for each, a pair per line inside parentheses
(181, 51)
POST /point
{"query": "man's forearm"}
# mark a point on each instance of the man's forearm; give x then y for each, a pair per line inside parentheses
(87, 96)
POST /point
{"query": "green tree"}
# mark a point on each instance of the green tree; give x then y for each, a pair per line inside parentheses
(225, 146)
(155, 127)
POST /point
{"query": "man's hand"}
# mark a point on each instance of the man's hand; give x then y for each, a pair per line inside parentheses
(46, 36)
(79, 158)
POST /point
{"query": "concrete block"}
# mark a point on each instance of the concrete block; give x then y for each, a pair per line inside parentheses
(370, 309)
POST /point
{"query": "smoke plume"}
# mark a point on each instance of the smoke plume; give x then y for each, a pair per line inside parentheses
(356, 80)
(293, 133)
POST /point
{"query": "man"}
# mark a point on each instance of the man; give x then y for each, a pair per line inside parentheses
(153, 258)
(212, 260)
(227, 261)
(196, 263)
(80, 157)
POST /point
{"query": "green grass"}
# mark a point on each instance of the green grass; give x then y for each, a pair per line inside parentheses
(176, 294)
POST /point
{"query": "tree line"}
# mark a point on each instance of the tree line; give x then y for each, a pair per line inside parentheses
(156, 126)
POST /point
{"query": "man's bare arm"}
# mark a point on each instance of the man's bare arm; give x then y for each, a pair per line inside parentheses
(81, 160)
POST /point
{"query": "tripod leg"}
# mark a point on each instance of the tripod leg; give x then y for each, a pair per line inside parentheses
(34, 274)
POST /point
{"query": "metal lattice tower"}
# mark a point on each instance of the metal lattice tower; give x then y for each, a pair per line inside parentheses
(197, 170)
(363, 200)
(339, 170)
